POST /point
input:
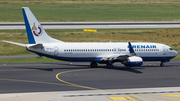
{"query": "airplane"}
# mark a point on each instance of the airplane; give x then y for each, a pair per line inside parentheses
(129, 54)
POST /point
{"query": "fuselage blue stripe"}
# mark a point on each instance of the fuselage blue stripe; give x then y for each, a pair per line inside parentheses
(157, 58)
(75, 59)
(96, 59)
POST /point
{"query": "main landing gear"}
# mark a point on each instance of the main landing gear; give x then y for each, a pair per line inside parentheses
(110, 66)
(94, 65)
(162, 64)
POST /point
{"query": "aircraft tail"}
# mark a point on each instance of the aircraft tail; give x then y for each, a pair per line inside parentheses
(35, 32)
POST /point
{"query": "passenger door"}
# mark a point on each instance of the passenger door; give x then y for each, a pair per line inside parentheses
(164, 50)
(56, 51)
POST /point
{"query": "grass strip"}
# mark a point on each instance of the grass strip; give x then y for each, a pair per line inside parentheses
(168, 36)
(177, 57)
(28, 60)
(45, 12)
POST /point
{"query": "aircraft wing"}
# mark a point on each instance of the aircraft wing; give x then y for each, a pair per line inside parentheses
(121, 57)
(16, 43)
(115, 57)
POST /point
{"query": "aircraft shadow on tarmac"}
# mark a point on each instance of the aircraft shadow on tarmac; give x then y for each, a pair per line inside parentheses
(47, 69)
(44, 69)
(75, 66)
(129, 69)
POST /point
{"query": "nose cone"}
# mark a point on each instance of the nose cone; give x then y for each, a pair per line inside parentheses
(175, 53)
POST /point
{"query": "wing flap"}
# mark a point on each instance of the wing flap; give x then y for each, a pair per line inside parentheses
(115, 57)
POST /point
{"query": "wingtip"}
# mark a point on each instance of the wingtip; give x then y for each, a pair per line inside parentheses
(4, 40)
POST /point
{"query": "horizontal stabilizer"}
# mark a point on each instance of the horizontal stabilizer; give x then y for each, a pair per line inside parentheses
(36, 46)
(20, 44)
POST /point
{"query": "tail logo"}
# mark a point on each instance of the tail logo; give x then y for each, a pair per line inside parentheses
(37, 31)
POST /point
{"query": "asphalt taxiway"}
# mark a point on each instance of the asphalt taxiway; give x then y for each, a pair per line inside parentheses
(64, 76)
(78, 82)
(96, 25)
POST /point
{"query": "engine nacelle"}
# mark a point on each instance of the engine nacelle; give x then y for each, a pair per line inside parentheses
(133, 61)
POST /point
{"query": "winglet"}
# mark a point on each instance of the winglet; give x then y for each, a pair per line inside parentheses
(131, 50)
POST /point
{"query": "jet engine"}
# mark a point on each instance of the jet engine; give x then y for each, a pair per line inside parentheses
(133, 61)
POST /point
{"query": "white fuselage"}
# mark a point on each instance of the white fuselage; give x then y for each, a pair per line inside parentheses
(98, 51)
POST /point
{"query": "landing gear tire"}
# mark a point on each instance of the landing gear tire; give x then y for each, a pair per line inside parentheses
(94, 65)
(162, 64)
(110, 66)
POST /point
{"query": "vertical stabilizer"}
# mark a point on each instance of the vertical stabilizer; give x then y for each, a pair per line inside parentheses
(35, 32)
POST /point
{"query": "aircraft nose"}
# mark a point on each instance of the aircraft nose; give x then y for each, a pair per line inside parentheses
(175, 53)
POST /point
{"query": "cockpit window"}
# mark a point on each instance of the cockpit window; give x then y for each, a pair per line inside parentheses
(170, 49)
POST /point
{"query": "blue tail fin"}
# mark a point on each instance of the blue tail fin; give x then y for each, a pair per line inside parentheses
(35, 32)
